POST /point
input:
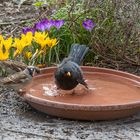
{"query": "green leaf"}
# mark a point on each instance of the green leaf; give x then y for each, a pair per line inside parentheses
(39, 3)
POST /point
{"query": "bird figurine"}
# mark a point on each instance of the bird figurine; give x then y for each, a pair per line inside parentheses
(20, 79)
(12, 66)
(69, 74)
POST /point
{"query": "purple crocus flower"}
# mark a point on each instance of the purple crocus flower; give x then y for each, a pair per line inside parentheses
(88, 24)
(25, 30)
(40, 26)
(48, 24)
(44, 24)
(58, 23)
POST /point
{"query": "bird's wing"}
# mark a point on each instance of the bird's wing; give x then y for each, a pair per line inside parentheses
(13, 65)
(17, 78)
(78, 74)
(65, 60)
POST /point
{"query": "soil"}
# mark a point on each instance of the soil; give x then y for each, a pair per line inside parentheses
(19, 121)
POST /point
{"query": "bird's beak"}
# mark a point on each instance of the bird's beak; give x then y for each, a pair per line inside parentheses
(68, 74)
(34, 72)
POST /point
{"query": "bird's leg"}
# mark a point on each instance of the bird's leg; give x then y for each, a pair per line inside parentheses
(84, 83)
(66, 92)
(86, 89)
(57, 87)
(81, 89)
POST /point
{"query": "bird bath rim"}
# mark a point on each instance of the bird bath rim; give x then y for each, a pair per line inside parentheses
(70, 106)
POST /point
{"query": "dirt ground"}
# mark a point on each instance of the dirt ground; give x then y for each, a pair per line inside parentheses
(19, 121)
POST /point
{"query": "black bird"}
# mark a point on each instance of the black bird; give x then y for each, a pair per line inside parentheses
(69, 74)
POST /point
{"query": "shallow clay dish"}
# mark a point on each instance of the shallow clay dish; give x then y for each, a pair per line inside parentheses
(114, 95)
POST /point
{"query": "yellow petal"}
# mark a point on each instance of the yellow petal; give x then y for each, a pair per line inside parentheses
(52, 43)
(4, 56)
(8, 43)
(1, 38)
(28, 55)
(40, 38)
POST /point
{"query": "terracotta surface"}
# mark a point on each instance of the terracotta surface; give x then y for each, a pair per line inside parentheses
(112, 95)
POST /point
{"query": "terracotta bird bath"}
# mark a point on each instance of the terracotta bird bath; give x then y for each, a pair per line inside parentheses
(112, 95)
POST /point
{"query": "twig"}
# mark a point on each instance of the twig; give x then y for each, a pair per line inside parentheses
(14, 30)
(16, 22)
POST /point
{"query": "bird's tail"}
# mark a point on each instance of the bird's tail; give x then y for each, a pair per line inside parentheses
(77, 53)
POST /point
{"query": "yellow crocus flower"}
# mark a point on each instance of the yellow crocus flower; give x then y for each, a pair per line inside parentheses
(52, 42)
(27, 38)
(28, 54)
(40, 38)
(5, 45)
(44, 41)
(20, 44)
(4, 55)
